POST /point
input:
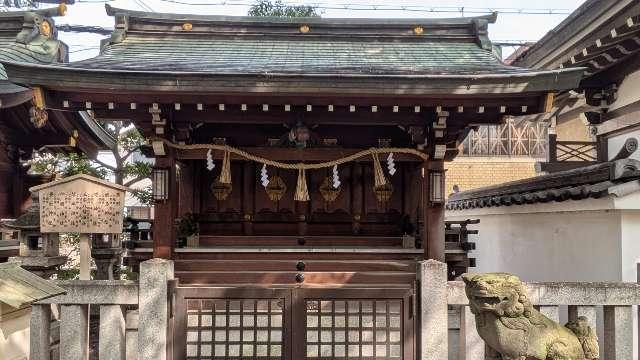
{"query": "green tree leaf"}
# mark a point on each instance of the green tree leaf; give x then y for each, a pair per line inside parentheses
(268, 8)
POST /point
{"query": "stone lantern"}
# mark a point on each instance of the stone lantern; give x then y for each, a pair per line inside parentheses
(39, 253)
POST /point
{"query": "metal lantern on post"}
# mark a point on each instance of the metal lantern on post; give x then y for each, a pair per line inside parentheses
(160, 184)
(436, 187)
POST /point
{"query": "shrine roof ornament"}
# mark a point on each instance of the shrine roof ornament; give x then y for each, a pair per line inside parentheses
(184, 53)
(28, 36)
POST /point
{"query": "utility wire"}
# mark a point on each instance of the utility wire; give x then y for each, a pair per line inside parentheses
(375, 7)
(108, 31)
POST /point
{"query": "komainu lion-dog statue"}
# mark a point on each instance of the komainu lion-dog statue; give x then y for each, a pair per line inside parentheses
(513, 330)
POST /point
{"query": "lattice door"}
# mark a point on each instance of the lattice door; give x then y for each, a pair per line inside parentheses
(354, 324)
(258, 324)
(231, 324)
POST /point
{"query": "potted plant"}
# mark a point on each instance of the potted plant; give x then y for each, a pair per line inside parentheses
(189, 230)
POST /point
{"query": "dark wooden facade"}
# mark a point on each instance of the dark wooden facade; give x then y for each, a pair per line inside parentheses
(187, 81)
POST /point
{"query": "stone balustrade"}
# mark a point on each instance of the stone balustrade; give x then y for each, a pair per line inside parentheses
(119, 330)
(581, 299)
(145, 333)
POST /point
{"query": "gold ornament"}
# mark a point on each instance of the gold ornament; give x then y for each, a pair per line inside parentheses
(45, 28)
(187, 26)
(383, 192)
(38, 116)
(62, 9)
(418, 30)
(328, 192)
(221, 191)
(305, 29)
(276, 188)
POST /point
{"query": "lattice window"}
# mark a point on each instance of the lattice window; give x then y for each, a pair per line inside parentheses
(235, 329)
(353, 329)
(510, 139)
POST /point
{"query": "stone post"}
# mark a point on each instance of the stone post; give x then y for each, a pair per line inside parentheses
(40, 326)
(74, 332)
(618, 332)
(132, 335)
(583, 310)
(550, 311)
(112, 333)
(471, 345)
(153, 334)
(432, 275)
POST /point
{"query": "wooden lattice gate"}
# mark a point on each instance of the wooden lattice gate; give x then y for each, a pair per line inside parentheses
(288, 324)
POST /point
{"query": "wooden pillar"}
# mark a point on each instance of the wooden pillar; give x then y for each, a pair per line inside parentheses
(432, 215)
(165, 211)
(248, 192)
(553, 148)
(357, 197)
(186, 188)
(602, 148)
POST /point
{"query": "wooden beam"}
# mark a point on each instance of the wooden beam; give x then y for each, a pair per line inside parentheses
(270, 278)
(295, 265)
(290, 154)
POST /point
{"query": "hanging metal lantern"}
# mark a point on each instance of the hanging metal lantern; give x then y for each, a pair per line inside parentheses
(383, 192)
(328, 192)
(275, 188)
(221, 191)
(160, 184)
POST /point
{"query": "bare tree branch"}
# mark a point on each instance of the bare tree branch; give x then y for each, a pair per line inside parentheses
(135, 180)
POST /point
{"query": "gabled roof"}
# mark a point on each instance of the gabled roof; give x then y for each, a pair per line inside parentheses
(19, 287)
(81, 177)
(597, 35)
(587, 182)
(167, 52)
(20, 40)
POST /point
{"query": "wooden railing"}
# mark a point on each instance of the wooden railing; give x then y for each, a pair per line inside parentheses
(575, 151)
(566, 155)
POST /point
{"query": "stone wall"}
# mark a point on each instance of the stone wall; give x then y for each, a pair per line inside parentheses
(475, 172)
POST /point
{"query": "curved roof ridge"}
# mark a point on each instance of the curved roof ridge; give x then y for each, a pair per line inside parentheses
(113, 11)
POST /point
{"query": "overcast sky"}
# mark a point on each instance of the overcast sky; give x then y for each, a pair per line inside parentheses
(509, 27)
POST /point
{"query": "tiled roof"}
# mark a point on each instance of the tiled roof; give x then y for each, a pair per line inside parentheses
(153, 42)
(299, 55)
(587, 182)
(19, 287)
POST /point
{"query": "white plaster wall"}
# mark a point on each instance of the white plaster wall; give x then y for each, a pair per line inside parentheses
(628, 92)
(615, 143)
(14, 337)
(559, 246)
(630, 250)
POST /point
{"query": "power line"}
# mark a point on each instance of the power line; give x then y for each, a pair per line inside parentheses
(376, 7)
(107, 31)
(84, 29)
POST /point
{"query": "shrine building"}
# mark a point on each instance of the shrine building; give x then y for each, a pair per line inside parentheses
(299, 163)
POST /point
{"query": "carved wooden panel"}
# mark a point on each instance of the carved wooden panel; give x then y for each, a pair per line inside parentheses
(250, 203)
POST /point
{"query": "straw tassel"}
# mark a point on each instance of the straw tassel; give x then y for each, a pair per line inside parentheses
(302, 193)
(225, 174)
(380, 180)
